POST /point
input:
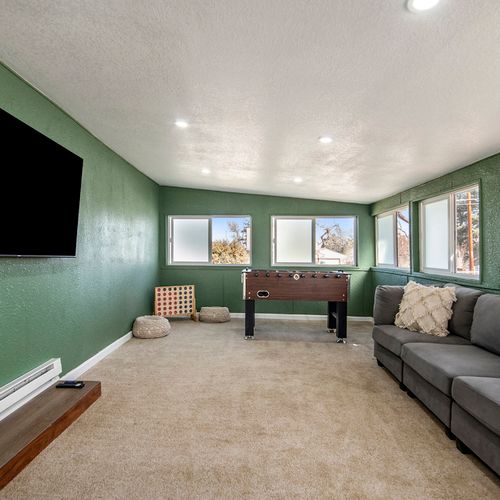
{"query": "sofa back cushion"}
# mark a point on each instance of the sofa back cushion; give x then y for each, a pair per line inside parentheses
(463, 310)
(386, 305)
(485, 330)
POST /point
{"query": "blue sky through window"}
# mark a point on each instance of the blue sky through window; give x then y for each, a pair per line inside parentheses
(346, 224)
(220, 227)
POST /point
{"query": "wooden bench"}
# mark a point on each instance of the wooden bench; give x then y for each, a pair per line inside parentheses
(31, 428)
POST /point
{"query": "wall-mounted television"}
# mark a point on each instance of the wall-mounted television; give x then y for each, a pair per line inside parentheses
(40, 183)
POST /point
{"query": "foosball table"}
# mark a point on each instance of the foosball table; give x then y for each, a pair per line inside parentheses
(329, 286)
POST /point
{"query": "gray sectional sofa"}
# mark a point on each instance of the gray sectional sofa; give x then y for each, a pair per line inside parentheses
(457, 377)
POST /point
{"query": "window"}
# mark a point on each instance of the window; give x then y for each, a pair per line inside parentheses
(403, 237)
(393, 238)
(450, 233)
(218, 240)
(320, 241)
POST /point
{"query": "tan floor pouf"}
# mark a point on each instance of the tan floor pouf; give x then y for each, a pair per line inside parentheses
(214, 314)
(150, 327)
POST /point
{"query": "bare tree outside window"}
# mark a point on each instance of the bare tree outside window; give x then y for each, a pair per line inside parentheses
(335, 241)
(467, 231)
(231, 240)
(403, 235)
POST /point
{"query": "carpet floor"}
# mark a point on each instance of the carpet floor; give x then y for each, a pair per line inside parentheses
(204, 414)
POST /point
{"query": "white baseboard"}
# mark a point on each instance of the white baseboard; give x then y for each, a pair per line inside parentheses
(86, 365)
(302, 317)
(359, 318)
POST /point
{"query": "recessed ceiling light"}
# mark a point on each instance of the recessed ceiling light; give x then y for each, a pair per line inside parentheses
(297, 180)
(181, 123)
(325, 139)
(421, 5)
(205, 171)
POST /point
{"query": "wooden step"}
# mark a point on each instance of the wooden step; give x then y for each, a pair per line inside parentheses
(31, 428)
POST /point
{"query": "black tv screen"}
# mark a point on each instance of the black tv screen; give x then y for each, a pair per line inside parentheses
(40, 183)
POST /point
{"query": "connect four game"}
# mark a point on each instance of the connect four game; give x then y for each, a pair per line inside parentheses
(175, 301)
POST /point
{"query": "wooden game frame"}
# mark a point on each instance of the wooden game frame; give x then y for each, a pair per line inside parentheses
(175, 301)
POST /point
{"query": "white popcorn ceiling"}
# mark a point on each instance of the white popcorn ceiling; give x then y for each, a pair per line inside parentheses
(406, 97)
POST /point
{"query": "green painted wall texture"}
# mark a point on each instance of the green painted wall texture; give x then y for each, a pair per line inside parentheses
(73, 308)
(487, 174)
(219, 285)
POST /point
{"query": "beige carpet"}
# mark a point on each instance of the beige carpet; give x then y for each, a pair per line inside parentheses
(204, 414)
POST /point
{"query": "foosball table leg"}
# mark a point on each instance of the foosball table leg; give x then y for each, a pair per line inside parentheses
(331, 323)
(337, 320)
(341, 322)
(249, 319)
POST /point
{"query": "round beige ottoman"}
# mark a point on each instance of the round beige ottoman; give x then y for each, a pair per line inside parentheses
(214, 314)
(150, 327)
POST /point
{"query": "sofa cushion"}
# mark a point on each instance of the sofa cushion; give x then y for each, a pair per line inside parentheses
(485, 330)
(463, 310)
(440, 364)
(393, 338)
(386, 305)
(426, 309)
(480, 397)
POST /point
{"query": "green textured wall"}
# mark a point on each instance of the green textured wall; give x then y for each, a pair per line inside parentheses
(487, 174)
(73, 308)
(219, 285)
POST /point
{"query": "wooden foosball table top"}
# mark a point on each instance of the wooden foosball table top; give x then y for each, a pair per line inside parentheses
(259, 284)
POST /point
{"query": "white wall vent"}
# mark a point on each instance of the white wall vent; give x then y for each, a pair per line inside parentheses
(22, 389)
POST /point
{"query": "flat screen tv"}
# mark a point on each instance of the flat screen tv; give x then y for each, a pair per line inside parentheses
(40, 183)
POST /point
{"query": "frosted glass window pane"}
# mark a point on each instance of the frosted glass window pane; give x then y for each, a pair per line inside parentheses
(294, 240)
(436, 235)
(190, 240)
(385, 240)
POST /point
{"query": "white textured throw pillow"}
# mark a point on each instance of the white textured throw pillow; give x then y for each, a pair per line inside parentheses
(426, 309)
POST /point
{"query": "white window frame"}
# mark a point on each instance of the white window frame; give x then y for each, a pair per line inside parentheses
(452, 217)
(170, 239)
(394, 214)
(312, 218)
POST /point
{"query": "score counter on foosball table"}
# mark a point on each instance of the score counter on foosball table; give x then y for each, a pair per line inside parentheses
(329, 286)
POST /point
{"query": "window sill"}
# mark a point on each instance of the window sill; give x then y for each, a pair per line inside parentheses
(452, 276)
(187, 265)
(234, 267)
(392, 270)
(289, 265)
(382, 267)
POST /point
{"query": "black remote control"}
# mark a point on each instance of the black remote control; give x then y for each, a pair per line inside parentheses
(70, 384)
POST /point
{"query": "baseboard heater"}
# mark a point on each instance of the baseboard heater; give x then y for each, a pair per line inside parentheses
(22, 389)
